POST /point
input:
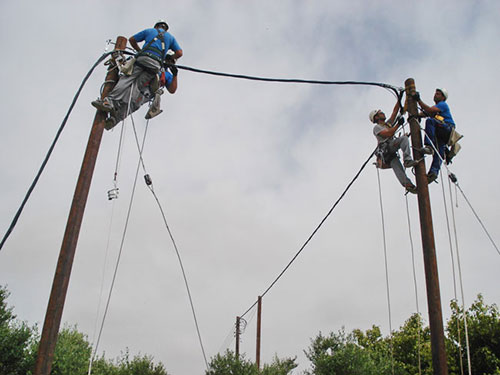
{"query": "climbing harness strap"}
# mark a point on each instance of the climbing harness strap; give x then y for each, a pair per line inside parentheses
(144, 51)
(384, 155)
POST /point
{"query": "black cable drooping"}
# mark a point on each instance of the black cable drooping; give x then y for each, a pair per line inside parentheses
(51, 148)
(395, 89)
(313, 233)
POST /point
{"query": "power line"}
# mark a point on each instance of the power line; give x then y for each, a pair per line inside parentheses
(51, 148)
(395, 89)
(313, 233)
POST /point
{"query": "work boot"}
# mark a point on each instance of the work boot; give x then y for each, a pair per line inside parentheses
(426, 150)
(153, 112)
(103, 105)
(431, 177)
(410, 163)
(411, 188)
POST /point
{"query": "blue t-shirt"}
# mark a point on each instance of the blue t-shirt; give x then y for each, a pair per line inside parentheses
(149, 34)
(444, 111)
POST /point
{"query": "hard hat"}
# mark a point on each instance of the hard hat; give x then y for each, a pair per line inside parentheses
(373, 114)
(161, 22)
(444, 91)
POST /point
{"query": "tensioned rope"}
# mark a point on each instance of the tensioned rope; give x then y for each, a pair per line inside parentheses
(313, 233)
(469, 365)
(95, 342)
(118, 258)
(149, 184)
(386, 269)
(453, 178)
(453, 272)
(410, 236)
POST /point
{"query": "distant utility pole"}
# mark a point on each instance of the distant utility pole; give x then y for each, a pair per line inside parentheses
(259, 325)
(238, 337)
(429, 248)
(55, 307)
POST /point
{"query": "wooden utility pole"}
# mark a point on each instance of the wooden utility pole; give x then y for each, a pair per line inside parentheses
(238, 337)
(429, 248)
(259, 315)
(60, 284)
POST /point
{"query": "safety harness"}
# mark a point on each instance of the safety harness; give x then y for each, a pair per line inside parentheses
(384, 155)
(149, 47)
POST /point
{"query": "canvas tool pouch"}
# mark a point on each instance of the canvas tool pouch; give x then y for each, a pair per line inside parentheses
(454, 137)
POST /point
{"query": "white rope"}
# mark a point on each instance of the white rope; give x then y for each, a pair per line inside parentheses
(386, 269)
(118, 259)
(102, 283)
(461, 285)
(456, 248)
(151, 188)
(463, 194)
(453, 271)
(115, 182)
(414, 284)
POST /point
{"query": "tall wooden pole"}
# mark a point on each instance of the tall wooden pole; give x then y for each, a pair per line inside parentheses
(60, 284)
(238, 337)
(429, 248)
(259, 316)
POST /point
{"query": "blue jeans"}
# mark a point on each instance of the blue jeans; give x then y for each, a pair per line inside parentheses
(439, 134)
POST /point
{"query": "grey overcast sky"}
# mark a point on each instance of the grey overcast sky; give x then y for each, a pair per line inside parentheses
(245, 170)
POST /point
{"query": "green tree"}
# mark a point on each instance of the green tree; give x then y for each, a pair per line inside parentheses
(483, 323)
(229, 364)
(279, 366)
(139, 365)
(342, 354)
(412, 347)
(16, 339)
(72, 353)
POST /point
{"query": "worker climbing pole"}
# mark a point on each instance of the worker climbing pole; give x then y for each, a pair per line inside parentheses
(427, 233)
(143, 75)
(55, 307)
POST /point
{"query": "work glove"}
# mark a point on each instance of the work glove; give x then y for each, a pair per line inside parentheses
(401, 121)
(416, 96)
(174, 70)
(169, 59)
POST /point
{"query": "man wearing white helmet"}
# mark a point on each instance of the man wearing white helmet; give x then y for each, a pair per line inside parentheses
(143, 83)
(438, 129)
(388, 145)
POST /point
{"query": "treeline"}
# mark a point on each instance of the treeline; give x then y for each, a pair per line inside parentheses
(406, 352)
(19, 346)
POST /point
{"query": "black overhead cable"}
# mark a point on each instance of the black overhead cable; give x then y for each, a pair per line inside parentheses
(396, 90)
(313, 233)
(51, 148)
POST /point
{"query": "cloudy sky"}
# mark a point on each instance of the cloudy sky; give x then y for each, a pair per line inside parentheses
(244, 170)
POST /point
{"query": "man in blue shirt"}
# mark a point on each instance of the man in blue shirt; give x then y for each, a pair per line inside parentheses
(143, 83)
(438, 129)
